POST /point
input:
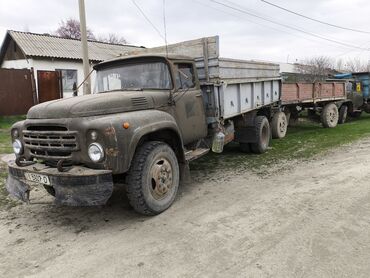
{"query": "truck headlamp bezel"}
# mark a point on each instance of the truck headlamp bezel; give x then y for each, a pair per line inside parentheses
(17, 147)
(95, 152)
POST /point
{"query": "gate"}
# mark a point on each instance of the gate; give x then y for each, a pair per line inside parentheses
(49, 85)
(17, 91)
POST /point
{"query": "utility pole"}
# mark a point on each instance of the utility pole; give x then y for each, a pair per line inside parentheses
(85, 54)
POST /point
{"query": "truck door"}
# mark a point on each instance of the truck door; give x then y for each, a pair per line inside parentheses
(188, 100)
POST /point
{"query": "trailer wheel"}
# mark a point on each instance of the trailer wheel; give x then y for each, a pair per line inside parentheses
(329, 115)
(153, 178)
(279, 125)
(263, 135)
(343, 111)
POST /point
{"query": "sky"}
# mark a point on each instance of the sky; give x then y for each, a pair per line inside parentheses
(241, 35)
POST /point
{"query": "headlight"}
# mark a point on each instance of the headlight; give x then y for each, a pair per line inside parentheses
(96, 152)
(17, 146)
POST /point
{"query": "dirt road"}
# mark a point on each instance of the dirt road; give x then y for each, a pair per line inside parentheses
(312, 220)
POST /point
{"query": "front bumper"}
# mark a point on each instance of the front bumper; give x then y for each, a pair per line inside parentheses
(79, 186)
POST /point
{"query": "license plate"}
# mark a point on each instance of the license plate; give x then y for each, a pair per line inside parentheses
(37, 178)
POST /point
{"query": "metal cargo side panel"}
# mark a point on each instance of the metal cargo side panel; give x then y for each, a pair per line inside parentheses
(239, 98)
(246, 91)
(230, 100)
(257, 94)
(276, 90)
(267, 92)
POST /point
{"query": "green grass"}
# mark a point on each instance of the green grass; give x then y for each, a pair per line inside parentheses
(5, 125)
(303, 141)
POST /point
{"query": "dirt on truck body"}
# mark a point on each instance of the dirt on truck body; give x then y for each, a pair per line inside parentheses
(152, 113)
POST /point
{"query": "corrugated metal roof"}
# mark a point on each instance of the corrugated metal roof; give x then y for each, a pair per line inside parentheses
(39, 45)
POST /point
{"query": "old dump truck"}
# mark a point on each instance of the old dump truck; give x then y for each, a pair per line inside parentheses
(152, 113)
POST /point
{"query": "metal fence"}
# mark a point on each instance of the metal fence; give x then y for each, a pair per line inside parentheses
(17, 91)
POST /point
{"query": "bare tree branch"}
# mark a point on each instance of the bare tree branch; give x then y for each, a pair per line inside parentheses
(317, 68)
(112, 38)
(71, 29)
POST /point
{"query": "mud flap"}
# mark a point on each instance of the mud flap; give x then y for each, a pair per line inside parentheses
(93, 194)
(18, 189)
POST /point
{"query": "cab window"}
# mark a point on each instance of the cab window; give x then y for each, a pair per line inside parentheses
(184, 76)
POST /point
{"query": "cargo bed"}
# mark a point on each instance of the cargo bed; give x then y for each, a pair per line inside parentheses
(230, 87)
(311, 93)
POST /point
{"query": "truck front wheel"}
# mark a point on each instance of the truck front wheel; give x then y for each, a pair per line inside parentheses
(153, 178)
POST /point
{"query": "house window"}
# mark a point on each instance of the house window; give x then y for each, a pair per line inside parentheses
(69, 77)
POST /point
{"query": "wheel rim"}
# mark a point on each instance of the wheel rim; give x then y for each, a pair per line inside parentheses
(161, 178)
(332, 115)
(282, 125)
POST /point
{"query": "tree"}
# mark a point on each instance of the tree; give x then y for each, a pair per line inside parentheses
(112, 38)
(317, 68)
(356, 65)
(71, 29)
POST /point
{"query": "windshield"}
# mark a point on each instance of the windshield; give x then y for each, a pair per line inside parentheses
(153, 75)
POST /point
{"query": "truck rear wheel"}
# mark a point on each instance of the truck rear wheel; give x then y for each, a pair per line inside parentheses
(329, 115)
(263, 135)
(153, 178)
(279, 125)
(343, 111)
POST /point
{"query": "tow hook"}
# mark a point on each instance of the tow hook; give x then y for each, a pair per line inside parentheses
(22, 162)
(60, 166)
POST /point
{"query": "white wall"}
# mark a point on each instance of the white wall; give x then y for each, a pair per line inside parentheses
(51, 65)
(286, 67)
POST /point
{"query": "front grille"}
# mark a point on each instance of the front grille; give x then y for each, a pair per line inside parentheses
(50, 143)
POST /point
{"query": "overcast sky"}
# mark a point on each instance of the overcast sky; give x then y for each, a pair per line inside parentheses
(241, 35)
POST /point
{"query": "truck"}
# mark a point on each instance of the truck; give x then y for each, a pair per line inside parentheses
(153, 111)
(357, 90)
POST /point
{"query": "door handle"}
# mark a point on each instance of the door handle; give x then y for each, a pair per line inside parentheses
(198, 95)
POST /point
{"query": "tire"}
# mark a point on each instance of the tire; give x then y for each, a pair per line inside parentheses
(263, 135)
(279, 125)
(245, 147)
(329, 115)
(343, 111)
(153, 178)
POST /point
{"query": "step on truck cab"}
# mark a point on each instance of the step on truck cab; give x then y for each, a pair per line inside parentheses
(152, 112)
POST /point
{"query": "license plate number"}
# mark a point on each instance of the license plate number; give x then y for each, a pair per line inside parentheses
(37, 178)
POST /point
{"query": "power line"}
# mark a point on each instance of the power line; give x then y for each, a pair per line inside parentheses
(288, 26)
(148, 20)
(313, 19)
(258, 23)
